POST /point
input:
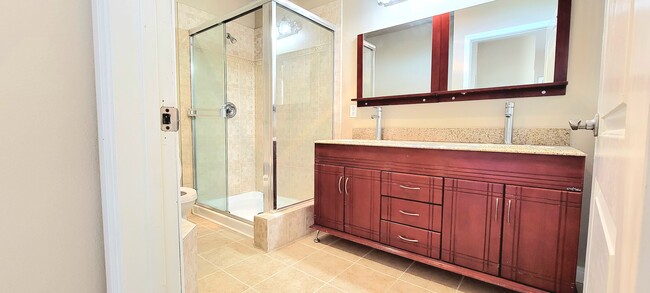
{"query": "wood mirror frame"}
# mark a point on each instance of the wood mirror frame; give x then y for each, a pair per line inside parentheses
(440, 70)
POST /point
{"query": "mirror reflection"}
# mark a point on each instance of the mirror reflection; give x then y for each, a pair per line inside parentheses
(498, 43)
(503, 43)
(397, 60)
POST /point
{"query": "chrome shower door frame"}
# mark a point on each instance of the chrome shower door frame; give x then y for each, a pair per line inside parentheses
(269, 49)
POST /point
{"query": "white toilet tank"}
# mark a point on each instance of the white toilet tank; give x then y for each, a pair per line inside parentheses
(188, 197)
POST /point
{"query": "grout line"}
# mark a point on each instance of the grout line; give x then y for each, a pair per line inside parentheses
(462, 279)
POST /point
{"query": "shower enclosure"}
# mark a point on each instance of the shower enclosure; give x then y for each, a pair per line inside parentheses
(262, 93)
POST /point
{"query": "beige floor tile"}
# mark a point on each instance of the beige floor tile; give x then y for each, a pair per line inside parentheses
(386, 263)
(431, 278)
(205, 267)
(211, 241)
(322, 265)
(325, 240)
(404, 287)
(230, 254)
(292, 253)
(232, 234)
(361, 279)
(248, 241)
(196, 219)
(211, 225)
(329, 289)
(290, 280)
(203, 231)
(255, 269)
(469, 285)
(347, 250)
(220, 282)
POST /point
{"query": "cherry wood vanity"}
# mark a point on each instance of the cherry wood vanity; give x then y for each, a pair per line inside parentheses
(506, 215)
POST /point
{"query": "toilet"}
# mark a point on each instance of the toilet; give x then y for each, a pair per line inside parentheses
(188, 197)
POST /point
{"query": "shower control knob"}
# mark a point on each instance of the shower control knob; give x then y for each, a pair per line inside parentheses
(228, 110)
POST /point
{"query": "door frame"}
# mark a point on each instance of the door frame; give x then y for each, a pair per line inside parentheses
(135, 74)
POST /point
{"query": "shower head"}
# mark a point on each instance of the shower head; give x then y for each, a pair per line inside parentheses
(231, 38)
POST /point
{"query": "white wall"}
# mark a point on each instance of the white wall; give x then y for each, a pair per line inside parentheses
(579, 103)
(50, 209)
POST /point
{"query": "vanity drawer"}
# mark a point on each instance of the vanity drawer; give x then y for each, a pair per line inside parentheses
(412, 239)
(412, 187)
(412, 213)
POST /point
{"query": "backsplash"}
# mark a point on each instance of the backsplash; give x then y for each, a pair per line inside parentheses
(524, 136)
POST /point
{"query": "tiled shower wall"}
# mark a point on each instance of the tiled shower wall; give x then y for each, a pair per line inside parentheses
(304, 109)
(240, 90)
(240, 74)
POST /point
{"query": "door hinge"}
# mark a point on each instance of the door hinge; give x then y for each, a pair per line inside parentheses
(169, 119)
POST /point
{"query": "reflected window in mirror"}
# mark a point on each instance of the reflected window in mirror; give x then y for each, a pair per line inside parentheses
(503, 43)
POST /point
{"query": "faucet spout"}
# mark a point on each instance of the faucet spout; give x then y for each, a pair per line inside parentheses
(377, 116)
(510, 112)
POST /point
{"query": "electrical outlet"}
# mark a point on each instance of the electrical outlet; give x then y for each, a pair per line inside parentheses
(353, 111)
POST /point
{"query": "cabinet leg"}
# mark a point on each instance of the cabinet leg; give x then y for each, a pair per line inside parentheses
(316, 240)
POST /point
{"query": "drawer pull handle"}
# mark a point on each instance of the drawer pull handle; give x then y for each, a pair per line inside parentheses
(408, 214)
(340, 179)
(408, 240)
(408, 187)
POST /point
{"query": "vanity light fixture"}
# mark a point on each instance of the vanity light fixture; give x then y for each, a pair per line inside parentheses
(288, 27)
(386, 3)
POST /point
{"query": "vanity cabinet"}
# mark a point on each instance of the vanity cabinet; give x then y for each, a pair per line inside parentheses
(472, 219)
(506, 215)
(347, 199)
(540, 230)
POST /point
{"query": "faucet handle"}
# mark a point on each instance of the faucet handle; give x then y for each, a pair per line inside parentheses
(575, 125)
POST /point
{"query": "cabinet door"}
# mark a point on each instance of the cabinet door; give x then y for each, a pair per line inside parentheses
(328, 197)
(362, 202)
(540, 237)
(471, 224)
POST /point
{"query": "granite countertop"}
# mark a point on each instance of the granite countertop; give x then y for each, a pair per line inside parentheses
(475, 147)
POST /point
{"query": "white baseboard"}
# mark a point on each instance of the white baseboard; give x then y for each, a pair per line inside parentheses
(580, 275)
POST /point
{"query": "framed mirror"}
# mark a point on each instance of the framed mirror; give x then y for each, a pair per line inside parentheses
(499, 49)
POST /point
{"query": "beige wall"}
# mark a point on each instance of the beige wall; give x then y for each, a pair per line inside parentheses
(551, 112)
(50, 206)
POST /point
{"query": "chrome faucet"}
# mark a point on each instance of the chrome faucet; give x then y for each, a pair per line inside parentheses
(510, 112)
(377, 116)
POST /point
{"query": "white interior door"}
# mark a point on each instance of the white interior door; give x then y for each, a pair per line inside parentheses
(135, 75)
(618, 226)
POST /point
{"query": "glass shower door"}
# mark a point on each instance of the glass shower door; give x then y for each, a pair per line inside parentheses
(208, 124)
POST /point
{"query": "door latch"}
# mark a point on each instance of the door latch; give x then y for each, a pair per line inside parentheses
(169, 119)
(587, 125)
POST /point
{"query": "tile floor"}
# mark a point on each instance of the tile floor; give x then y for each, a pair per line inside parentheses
(228, 262)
